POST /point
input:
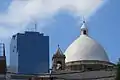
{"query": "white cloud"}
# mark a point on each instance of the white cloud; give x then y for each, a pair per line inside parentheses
(22, 12)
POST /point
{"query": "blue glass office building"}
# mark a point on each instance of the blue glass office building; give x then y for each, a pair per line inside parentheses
(29, 53)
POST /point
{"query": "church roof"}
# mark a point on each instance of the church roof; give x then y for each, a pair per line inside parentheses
(85, 48)
(58, 53)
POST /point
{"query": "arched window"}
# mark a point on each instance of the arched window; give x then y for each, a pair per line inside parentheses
(59, 65)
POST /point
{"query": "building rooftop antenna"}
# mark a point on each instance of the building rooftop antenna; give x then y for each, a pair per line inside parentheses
(35, 26)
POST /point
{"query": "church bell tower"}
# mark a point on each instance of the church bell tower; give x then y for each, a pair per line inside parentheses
(58, 60)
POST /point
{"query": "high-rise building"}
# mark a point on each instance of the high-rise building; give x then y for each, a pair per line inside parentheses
(29, 53)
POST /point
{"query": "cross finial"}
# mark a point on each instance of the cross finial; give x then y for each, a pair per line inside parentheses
(83, 19)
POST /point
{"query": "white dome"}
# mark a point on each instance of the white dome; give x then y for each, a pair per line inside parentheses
(85, 48)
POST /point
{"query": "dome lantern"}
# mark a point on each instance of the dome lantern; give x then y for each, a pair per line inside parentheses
(84, 29)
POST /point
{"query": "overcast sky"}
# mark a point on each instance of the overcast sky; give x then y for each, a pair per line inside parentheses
(61, 20)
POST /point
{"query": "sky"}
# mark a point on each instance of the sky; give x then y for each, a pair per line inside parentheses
(61, 21)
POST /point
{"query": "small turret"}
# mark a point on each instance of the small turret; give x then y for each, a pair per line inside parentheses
(58, 60)
(84, 29)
